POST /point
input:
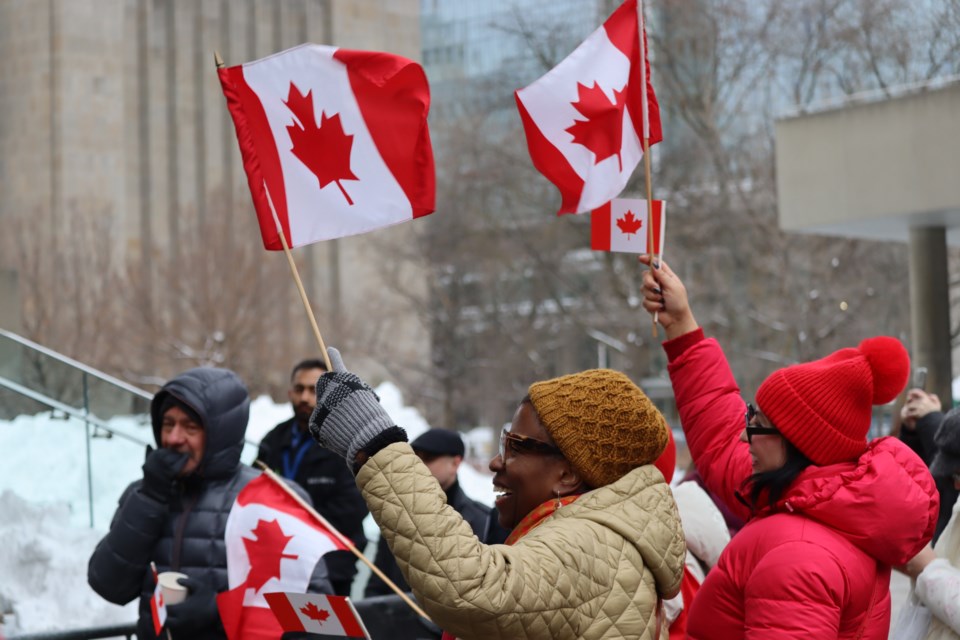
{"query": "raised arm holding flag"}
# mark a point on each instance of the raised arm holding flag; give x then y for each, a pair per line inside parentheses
(334, 143)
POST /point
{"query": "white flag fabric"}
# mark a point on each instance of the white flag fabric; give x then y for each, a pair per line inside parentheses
(335, 139)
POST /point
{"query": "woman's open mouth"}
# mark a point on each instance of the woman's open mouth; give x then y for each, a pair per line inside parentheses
(502, 493)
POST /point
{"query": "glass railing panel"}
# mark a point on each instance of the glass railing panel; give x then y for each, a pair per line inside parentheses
(46, 462)
(66, 381)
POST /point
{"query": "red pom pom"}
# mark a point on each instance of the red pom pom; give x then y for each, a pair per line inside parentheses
(890, 365)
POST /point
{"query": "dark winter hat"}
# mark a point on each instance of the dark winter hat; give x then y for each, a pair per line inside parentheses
(602, 422)
(947, 439)
(172, 401)
(439, 442)
(824, 407)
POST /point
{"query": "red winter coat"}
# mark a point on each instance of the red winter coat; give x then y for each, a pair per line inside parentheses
(816, 565)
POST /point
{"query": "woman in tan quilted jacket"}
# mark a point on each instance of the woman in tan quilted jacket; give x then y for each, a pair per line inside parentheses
(596, 543)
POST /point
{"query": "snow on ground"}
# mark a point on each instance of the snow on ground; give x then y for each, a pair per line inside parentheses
(45, 507)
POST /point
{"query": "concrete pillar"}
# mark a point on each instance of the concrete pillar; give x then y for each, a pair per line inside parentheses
(930, 309)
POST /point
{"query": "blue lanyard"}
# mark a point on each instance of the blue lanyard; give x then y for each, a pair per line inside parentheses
(290, 470)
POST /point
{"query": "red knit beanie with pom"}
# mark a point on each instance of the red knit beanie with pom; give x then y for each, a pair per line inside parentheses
(824, 407)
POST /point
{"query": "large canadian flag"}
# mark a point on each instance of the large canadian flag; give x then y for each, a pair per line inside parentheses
(335, 139)
(584, 119)
(622, 225)
(273, 545)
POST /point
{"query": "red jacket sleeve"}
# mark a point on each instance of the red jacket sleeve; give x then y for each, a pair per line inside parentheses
(712, 416)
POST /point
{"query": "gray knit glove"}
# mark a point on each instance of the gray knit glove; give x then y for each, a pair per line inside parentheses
(348, 415)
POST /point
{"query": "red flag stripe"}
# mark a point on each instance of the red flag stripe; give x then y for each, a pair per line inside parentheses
(260, 156)
(551, 163)
(284, 611)
(399, 134)
(656, 225)
(347, 618)
(600, 228)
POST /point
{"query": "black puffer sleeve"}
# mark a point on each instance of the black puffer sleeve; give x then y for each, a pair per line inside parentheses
(118, 564)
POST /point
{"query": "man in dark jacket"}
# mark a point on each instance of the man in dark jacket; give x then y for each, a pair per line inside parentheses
(289, 450)
(176, 515)
(920, 418)
(442, 451)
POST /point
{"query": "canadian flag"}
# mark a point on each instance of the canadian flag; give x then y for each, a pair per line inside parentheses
(621, 225)
(158, 608)
(336, 139)
(584, 118)
(273, 544)
(315, 613)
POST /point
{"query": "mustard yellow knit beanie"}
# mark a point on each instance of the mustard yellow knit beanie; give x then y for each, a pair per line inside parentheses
(602, 422)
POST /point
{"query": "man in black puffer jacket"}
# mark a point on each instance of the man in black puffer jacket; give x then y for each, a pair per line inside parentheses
(176, 515)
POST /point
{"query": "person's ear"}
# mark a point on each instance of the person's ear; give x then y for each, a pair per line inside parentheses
(570, 481)
(456, 462)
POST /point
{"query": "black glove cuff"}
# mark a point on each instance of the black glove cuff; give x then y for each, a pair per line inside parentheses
(381, 441)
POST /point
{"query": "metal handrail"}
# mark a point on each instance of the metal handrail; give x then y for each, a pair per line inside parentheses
(127, 631)
(77, 365)
(83, 416)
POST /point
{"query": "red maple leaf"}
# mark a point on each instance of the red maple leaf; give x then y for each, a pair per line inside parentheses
(265, 551)
(602, 131)
(628, 223)
(312, 612)
(325, 150)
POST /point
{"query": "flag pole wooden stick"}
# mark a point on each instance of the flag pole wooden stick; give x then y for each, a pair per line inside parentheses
(645, 136)
(341, 538)
(293, 265)
(296, 279)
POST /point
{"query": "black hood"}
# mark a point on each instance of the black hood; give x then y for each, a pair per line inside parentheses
(221, 400)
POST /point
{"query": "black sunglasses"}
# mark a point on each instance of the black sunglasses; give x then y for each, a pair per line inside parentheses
(756, 429)
(516, 443)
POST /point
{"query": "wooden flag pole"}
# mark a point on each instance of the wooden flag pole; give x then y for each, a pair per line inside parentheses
(342, 538)
(293, 265)
(296, 279)
(645, 136)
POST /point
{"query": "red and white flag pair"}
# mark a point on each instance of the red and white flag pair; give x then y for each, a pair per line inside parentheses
(273, 545)
(335, 139)
(585, 119)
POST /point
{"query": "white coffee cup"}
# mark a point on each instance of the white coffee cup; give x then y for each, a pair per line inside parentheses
(173, 592)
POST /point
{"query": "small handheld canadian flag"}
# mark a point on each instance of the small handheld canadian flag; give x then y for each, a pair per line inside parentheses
(621, 226)
(158, 608)
(315, 613)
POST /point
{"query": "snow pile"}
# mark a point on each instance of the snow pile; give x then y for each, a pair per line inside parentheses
(43, 564)
(45, 508)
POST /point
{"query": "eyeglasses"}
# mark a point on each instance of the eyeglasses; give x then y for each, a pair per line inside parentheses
(756, 429)
(522, 444)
